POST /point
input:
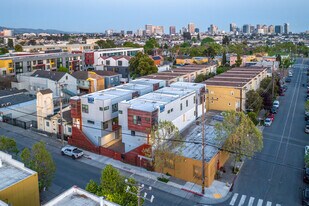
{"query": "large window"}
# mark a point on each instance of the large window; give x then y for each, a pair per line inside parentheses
(105, 125)
(108, 62)
(90, 122)
(137, 120)
(85, 108)
(114, 108)
(119, 63)
(180, 106)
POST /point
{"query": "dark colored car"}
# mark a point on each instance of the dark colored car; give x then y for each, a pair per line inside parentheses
(288, 79)
(306, 117)
(305, 200)
(306, 175)
(274, 110)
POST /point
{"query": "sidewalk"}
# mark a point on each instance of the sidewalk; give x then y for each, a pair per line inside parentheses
(216, 193)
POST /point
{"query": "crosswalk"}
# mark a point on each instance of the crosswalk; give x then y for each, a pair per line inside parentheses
(244, 200)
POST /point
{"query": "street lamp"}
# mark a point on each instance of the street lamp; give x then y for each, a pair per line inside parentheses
(140, 188)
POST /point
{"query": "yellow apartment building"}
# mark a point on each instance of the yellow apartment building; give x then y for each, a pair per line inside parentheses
(6, 64)
(18, 184)
(227, 91)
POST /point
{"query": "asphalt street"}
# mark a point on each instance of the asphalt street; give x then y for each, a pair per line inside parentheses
(71, 172)
(274, 175)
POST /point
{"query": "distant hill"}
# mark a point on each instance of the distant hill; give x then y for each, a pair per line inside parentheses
(36, 31)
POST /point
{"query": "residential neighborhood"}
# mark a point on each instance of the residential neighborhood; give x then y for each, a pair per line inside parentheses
(210, 113)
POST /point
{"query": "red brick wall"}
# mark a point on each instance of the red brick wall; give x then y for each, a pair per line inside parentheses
(89, 58)
(75, 109)
(133, 159)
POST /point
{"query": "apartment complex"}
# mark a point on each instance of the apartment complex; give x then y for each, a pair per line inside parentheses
(18, 184)
(30, 62)
(179, 104)
(183, 74)
(227, 91)
(96, 114)
(59, 47)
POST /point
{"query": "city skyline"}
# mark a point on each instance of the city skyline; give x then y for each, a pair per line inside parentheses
(135, 14)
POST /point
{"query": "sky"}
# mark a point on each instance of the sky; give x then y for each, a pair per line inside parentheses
(99, 15)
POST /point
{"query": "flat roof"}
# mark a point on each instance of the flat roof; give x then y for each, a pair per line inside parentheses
(78, 197)
(12, 171)
(188, 85)
(193, 150)
(181, 92)
(133, 86)
(147, 81)
(108, 93)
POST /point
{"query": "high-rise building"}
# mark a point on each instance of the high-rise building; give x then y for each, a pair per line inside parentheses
(252, 29)
(148, 29)
(233, 27)
(213, 29)
(286, 28)
(172, 30)
(278, 29)
(246, 29)
(271, 29)
(258, 26)
(139, 32)
(122, 32)
(191, 28)
(197, 30)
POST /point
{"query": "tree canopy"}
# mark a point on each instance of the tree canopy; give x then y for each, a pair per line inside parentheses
(106, 44)
(239, 135)
(18, 48)
(207, 40)
(8, 145)
(238, 61)
(131, 44)
(10, 43)
(113, 187)
(3, 50)
(150, 45)
(41, 161)
(141, 65)
(63, 69)
(254, 101)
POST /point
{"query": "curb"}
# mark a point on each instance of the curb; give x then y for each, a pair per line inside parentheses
(195, 193)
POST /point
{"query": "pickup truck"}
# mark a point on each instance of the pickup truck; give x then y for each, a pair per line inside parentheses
(71, 151)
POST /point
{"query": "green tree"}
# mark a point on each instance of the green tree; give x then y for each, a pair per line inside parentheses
(63, 69)
(254, 101)
(222, 69)
(4, 51)
(41, 161)
(239, 135)
(166, 146)
(141, 65)
(106, 44)
(307, 159)
(113, 187)
(223, 63)
(199, 78)
(253, 117)
(238, 61)
(207, 40)
(150, 45)
(8, 145)
(225, 40)
(131, 44)
(185, 45)
(10, 43)
(279, 59)
(18, 48)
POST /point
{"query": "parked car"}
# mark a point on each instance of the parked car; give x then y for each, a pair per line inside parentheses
(274, 110)
(305, 200)
(307, 128)
(306, 116)
(271, 116)
(306, 149)
(267, 122)
(288, 79)
(276, 104)
(71, 151)
(281, 94)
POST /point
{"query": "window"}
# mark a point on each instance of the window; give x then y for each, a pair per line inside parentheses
(147, 119)
(105, 125)
(90, 122)
(101, 108)
(134, 119)
(168, 111)
(197, 172)
(172, 110)
(194, 100)
(181, 107)
(133, 133)
(187, 103)
(66, 77)
(119, 63)
(106, 108)
(47, 124)
(34, 62)
(69, 129)
(229, 104)
(85, 108)
(114, 108)
(120, 111)
(212, 102)
(108, 62)
(139, 120)
(232, 93)
(47, 61)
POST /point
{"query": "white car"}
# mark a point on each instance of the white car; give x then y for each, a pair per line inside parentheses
(71, 151)
(306, 150)
(267, 122)
(276, 104)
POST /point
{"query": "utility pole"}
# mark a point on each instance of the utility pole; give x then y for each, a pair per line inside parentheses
(140, 188)
(272, 79)
(203, 143)
(60, 86)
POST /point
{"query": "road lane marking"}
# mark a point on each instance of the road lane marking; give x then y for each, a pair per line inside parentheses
(268, 203)
(260, 202)
(242, 200)
(234, 199)
(251, 200)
